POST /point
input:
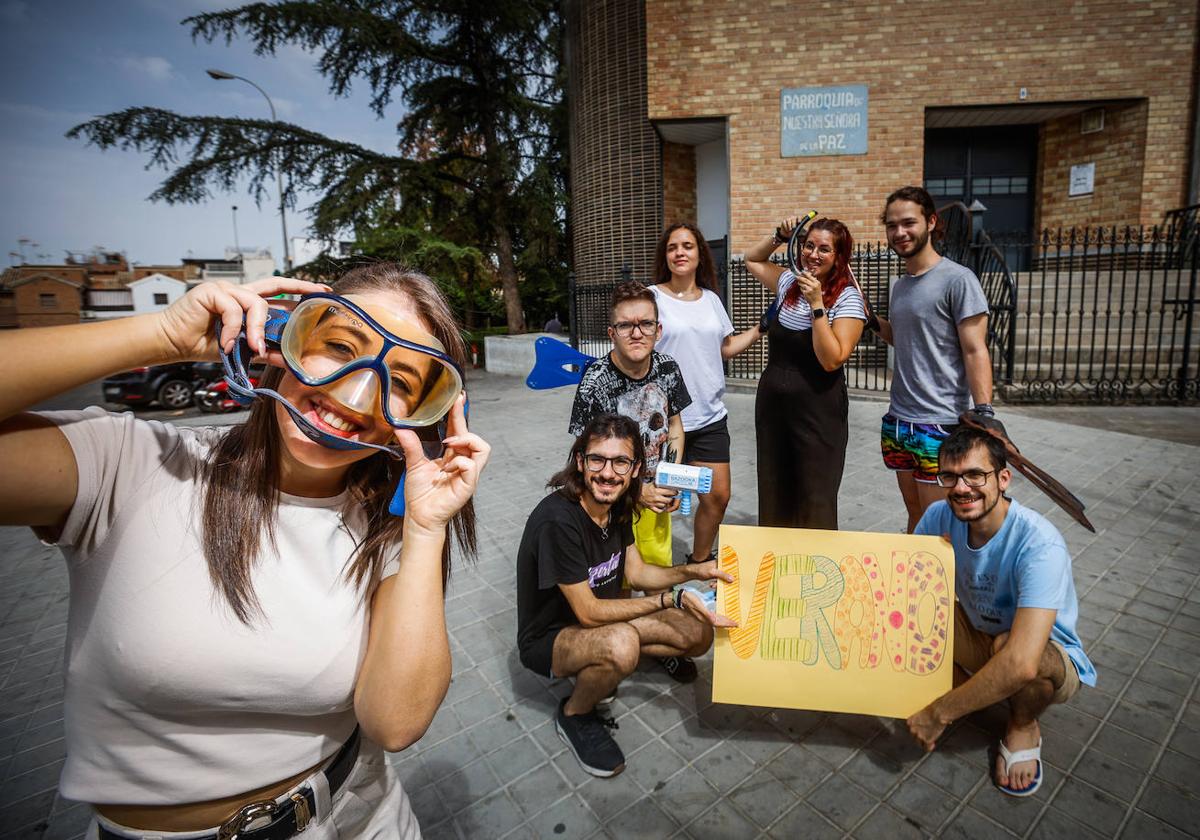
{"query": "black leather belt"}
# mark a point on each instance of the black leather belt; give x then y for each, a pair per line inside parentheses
(287, 818)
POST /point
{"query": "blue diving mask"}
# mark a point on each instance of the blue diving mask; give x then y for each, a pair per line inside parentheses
(368, 365)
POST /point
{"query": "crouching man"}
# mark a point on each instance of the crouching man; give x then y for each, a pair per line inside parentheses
(1014, 623)
(571, 618)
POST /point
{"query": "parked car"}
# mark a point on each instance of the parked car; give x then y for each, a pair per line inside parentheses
(170, 386)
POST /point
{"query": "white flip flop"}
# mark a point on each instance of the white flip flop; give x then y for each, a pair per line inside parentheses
(1011, 758)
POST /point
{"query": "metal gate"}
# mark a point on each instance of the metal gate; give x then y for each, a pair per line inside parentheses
(1099, 315)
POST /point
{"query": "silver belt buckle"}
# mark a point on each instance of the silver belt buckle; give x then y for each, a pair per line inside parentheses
(233, 827)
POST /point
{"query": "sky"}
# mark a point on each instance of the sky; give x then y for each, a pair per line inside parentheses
(65, 61)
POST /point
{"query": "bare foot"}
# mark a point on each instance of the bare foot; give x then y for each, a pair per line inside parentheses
(1021, 774)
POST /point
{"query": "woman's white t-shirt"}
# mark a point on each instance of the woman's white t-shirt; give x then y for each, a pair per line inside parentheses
(693, 331)
(169, 697)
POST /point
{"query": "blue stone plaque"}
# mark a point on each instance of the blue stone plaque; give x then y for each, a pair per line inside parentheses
(823, 121)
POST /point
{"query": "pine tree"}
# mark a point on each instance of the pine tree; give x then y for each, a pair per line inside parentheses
(481, 136)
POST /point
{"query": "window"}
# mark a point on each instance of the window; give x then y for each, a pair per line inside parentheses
(1091, 121)
(48, 300)
(999, 186)
(944, 186)
(160, 299)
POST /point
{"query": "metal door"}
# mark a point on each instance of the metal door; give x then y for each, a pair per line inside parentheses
(996, 165)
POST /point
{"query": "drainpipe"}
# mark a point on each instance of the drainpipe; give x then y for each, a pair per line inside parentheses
(1193, 196)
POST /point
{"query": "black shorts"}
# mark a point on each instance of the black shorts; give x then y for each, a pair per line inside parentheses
(538, 654)
(708, 444)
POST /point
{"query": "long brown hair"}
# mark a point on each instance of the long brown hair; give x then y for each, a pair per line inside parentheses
(241, 477)
(569, 480)
(706, 269)
(839, 275)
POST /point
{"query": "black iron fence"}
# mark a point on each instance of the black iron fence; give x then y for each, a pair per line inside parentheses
(867, 367)
(1092, 315)
(1105, 315)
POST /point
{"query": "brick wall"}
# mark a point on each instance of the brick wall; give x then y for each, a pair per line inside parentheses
(616, 170)
(32, 312)
(679, 183)
(720, 57)
(1117, 152)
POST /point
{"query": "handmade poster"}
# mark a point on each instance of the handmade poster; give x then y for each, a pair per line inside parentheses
(840, 621)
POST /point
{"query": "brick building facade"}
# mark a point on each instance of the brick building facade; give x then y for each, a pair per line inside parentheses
(39, 300)
(976, 99)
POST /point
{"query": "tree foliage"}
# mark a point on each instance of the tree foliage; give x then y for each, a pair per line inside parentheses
(477, 188)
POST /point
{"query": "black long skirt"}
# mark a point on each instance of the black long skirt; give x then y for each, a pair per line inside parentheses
(800, 416)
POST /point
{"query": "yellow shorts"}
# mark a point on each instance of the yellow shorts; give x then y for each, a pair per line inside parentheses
(652, 536)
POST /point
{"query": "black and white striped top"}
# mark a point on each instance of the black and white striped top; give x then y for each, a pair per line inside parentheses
(798, 316)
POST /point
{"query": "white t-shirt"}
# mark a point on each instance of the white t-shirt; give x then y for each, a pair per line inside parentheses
(169, 698)
(693, 331)
(798, 316)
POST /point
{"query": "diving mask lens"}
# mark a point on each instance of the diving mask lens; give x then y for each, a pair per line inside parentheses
(329, 344)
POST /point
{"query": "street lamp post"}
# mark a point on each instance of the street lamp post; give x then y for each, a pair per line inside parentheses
(237, 247)
(221, 75)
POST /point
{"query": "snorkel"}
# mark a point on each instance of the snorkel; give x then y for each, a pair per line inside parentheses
(366, 367)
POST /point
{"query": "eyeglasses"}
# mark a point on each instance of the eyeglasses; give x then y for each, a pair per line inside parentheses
(620, 464)
(625, 328)
(823, 250)
(972, 478)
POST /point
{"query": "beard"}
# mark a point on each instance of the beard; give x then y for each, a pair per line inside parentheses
(984, 510)
(917, 244)
(602, 492)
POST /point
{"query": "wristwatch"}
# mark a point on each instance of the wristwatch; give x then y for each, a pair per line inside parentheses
(818, 313)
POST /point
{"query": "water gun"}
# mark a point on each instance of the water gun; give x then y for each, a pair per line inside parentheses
(556, 364)
(684, 478)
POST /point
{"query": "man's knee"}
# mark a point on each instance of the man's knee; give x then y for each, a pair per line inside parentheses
(621, 648)
(703, 639)
(1049, 667)
(999, 642)
(696, 636)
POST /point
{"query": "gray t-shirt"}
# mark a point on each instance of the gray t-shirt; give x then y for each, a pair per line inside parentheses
(929, 384)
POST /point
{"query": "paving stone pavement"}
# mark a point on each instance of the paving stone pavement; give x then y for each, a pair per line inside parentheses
(1122, 759)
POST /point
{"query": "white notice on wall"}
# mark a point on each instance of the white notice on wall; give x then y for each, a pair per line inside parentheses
(1083, 179)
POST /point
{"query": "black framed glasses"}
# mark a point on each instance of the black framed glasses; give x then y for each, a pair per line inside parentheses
(621, 464)
(972, 478)
(626, 328)
(810, 248)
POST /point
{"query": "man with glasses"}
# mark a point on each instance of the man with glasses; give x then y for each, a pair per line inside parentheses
(647, 387)
(571, 618)
(1014, 620)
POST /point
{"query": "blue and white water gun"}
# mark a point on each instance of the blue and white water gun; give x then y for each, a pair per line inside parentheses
(685, 478)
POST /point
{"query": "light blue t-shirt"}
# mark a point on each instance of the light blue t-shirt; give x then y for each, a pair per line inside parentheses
(1024, 564)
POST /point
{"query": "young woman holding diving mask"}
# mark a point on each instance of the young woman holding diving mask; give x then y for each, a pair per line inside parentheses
(249, 621)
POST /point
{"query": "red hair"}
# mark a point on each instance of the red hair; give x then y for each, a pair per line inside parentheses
(839, 275)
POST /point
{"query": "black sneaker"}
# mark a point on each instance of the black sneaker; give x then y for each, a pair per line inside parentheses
(710, 556)
(679, 668)
(587, 736)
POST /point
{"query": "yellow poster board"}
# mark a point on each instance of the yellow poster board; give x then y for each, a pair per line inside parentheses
(840, 621)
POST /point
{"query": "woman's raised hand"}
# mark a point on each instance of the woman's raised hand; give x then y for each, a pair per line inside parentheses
(187, 324)
(810, 287)
(436, 489)
(787, 226)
